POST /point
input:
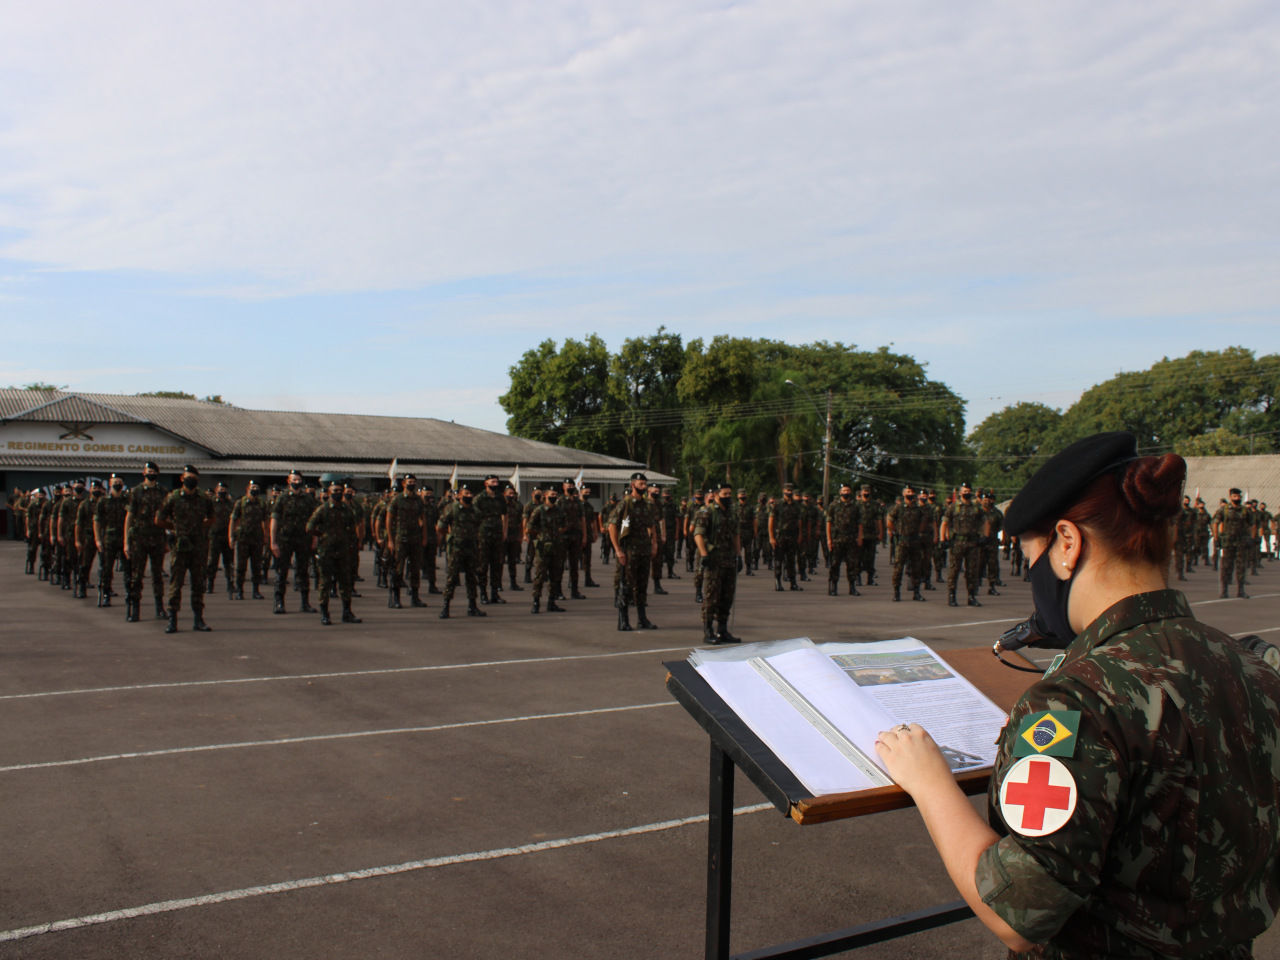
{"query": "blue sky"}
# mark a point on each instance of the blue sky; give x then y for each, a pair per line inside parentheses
(379, 207)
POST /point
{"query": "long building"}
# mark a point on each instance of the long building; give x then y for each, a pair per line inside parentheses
(49, 437)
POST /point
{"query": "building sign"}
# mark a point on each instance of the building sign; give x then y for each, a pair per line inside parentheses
(78, 440)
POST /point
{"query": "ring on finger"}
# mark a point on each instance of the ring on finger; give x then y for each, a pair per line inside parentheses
(904, 727)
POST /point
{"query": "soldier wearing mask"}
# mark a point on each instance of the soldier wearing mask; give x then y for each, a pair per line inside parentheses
(86, 545)
(492, 509)
(546, 527)
(69, 566)
(964, 527)
(632, 531)
(290, 542)
(655, 505)
(591, 520)
(844, 539)
(460, 525)
(220, 550)
(407, 535)
(912, 525)
(784, 536)
(35, 504)
(715, 533)
(189, 514)
(334, 531)
(247, 532)
(144, 542)
(1234, 531)
(535, 501)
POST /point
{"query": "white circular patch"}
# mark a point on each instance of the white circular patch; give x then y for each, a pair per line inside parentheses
(1038, 796)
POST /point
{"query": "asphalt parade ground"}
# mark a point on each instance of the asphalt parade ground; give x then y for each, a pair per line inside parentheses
(513, 786)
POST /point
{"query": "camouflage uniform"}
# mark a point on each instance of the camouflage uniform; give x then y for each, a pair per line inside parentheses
(662, 534)
(405, 536)
(787, 518)
(535, 501)
(86, 547)
(670, 517)
(69, 567)
(108, 526)
(492, 509)
(187, 511)
(430, 521)
(1183, 540)
(334, 524)
(546, 532)
(1200, 536)
(592, 519)
(1234, 541)
(990, 566)
(515, 539)
(718, 527)
(291, 512)
(872, 519)
(1171, 848)
(913, 526)
(219, 543)
(461, 525)
(636, 525)
(571, 542)
(965, 522)
(146, 543)
(690, 548)
(844, 520)
(34, 506)
(49, 534)
(250, 516)
(381, 550)
(747, 532)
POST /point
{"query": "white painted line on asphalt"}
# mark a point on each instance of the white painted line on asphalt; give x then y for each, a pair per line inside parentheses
(168, 906)
(329, 736)
(345, 673)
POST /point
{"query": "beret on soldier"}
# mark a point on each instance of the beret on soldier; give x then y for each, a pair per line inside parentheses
(1063, 478)
(788, 486)
(150, 465)
(190, 469)
(1235, 492)
(635, 476)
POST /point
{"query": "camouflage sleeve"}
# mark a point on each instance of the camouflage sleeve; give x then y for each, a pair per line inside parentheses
(700, 523)
(1035, 883)
(314, 522)
(166, 508)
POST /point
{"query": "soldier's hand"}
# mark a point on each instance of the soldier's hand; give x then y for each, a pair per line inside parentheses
(275, 550)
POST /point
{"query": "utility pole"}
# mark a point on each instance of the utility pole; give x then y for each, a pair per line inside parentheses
(826, 460)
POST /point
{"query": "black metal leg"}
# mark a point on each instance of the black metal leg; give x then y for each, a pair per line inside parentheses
(719, 854)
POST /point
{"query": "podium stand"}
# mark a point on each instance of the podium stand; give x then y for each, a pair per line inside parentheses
(733, 744)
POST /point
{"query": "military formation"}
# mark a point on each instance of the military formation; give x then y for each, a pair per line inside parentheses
(81, 535)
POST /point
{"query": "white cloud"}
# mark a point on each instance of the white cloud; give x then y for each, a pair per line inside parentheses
(1106, 156)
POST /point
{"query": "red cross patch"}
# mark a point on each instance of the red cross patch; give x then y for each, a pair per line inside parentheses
(1038, 796)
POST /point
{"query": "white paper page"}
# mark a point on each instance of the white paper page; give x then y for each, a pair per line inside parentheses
(915, 685)
(817, 764)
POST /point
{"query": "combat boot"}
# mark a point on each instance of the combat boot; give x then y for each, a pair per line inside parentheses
(803, 577)
(951, 599)
(495, 597)
(231, 591)
(832, 590)
(551, 606)
(671, 572)
(30, 567)
(279, 607)
(697, 597)
(991, 590)
(917, 595)
(516, 586)
(324, 613)
(347, 615)
(1240, 592)
(393, 598)
(709, 632)
(306, 607)
(624, 618)
(208, 584)
(240, 591)
(657, 588)
(130, 610)
(433, 588)
(44, 573)
(473, 610)
(537, 605)
(414, 600)
(256, 595)
(642, 621)
(484, 595)
(527, 577)
(172, 625)
(928, 585)
(724, 636)
(198, 623)
(777, 580)
(160, 614)
(973, 600)
(853, 591)
(794, 586)
(104, 598)
(444, 611)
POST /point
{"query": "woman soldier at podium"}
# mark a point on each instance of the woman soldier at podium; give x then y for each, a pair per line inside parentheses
(1135, 800)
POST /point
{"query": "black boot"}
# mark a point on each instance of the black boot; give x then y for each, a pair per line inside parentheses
(897, 594)
(537, 605)
(624, 618)
(724, 636)
(31, 567)
(831, 589)
(130, 610)
(484, 595)
(527, 577)
(444, 611)
(324, 613)
(794, 586)
(777, 582)
(306, 607)
(991, 592)
(279, 607)
(951, 599)
(240, 592)
(347, 615)
(256, 595)
(657, 588)
(917, 595)
(160, 614)
(928, 585)
(973, 600)
(551, 606)
(393, 598)
(231, 590)
(853, 591)
(172, 626)
(473, 610)
(198, 623)
(208, 584)
(516, 586)
(433, 589)
(642, 621)
(495, 597)
(1240, 592)
(414, 600)
(697, 597)
(709, 632)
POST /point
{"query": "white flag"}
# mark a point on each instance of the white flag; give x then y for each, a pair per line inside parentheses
(577, 481)
(391, 470)
(453, 479)
(515, 478)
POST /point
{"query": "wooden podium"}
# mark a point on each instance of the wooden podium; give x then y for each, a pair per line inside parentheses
(733, 744)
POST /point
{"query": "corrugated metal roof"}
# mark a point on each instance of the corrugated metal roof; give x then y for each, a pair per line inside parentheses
(1258, 475)
(235, 432)
(63, 408)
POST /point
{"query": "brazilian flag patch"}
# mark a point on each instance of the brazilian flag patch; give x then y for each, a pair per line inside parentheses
(1051, 732)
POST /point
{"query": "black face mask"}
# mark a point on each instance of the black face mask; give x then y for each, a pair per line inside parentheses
(253, 491)
(725, 501)
(336, 497)
(846, 496)
(295, 486)
(1050, 596)
(97, 494)
(79, 491)
(467, 500)
(966, 496)
(117, 487)
(190, 482)
(410, 487)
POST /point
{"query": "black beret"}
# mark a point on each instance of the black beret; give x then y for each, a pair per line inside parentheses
(634, 476)
(1235, 491)
(407, 476)
(1063, 478)
(190, 469)
(150, 465)
(788, 486)
(492, 476)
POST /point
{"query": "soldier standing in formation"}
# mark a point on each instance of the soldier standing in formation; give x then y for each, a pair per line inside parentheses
(247, 530)
(460, 526)
(715, 533)
(574, 538)
(1233, 531)
(844, 539)
(655, 507)
(691, 509)
(632, 531)
(109, 516)
(670, 532)
(990, 567)
(871, 518)
(912, 525)
(86, 545)
(492, 509)
(69, 559)
(144, 543)
(407, 536)
(189, 514)
(334, 529)
(964, 527)
(514, 538)
(535, 501)
(591, 518)
(431, 543)
(545, 527)
(290, 542)
(1183, 537)
(220, 550)
(746, 531)
(784, 537)
(1203, 526)
(35, 504)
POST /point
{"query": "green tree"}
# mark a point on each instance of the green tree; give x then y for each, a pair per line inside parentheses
(1010, 445)
(40, 386)
(558, 394)
(1216, 443)
(643, 380)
